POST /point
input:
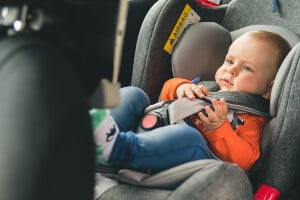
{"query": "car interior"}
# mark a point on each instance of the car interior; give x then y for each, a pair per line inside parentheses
(58, 60)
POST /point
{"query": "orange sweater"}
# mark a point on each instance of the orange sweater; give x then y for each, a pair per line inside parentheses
(240, 146)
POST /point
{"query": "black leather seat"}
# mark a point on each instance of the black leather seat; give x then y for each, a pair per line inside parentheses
(46, 138)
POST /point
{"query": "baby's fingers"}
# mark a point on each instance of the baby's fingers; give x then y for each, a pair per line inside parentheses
(201, 91)
(212, 117)
(203, 118)
(223, 105)
(180, 94)
(198, 92)
(189, 93)
(218, 107)
(205, 91)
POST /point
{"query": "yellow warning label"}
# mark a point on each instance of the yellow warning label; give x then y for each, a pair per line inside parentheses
(188, 16)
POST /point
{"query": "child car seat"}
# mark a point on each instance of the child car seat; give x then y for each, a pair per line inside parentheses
(152, 67)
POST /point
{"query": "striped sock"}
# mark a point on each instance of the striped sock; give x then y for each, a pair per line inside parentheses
(105, 134)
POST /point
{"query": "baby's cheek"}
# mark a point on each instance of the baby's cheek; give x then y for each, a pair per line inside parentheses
(252, 85)
(219, 72)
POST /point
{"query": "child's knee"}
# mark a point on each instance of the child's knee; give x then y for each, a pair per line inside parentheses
(134, 92)
(135, 96)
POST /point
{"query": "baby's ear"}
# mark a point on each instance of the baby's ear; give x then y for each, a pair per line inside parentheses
(267, 95)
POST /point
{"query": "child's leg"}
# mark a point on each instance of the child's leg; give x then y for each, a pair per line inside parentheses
(160, 148)
(108, 123)
(133, 103)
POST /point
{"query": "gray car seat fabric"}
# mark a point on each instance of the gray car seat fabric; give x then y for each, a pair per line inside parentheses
(200, 51)
(241, 13)
(215, 180)
(152, 67)
(167, 179)
(203, 46)
(46, 146)
(195, 33)
(280, 166)
(151, 63)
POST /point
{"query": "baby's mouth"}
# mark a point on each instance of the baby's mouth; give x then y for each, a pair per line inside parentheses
(226, 82)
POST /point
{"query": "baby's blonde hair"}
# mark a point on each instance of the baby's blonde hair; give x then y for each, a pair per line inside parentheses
(274, 39)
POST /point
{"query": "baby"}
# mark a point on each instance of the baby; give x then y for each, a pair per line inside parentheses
(250, 66)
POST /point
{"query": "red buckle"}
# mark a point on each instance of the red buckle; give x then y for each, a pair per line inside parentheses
(266, 192)
(207, 3)
(149, 121)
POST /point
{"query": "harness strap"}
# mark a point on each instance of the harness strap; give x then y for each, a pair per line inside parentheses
(184, 107)
(171, 112)
(239, 102)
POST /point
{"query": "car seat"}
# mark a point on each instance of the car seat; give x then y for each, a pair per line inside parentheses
(152, 67)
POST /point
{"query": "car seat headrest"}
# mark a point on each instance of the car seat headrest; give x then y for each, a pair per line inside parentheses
(200, 51)
(203, 46)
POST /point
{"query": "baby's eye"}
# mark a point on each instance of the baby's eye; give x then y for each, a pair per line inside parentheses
(228, 61)
(246, 68)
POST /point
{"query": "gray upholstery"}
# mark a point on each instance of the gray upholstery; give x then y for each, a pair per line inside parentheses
(280, 81)
(219, 180)
(281, 167)
(152, 67)
(207, 31)
(152, 64)
(167, 179)
(200, 51)
(241, 13)
(203, 47)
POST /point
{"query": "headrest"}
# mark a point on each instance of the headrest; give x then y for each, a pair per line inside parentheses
(200, 51)
(202, 48)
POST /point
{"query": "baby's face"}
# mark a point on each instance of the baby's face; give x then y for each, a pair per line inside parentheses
(249, 66)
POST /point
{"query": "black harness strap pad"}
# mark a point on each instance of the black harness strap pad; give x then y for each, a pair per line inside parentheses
(244, 102)
(239, 101)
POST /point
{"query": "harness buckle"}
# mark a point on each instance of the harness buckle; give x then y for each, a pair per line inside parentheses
(151, 121)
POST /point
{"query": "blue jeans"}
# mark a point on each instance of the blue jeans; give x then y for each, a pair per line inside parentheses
(157, 149)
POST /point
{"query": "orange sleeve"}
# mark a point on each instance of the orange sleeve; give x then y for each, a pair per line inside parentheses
(170, 86)
(240, 146)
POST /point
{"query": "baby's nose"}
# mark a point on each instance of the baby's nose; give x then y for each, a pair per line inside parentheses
(233, 70)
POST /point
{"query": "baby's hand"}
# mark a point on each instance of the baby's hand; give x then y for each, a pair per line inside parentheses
(216, 118)
(190, 91)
